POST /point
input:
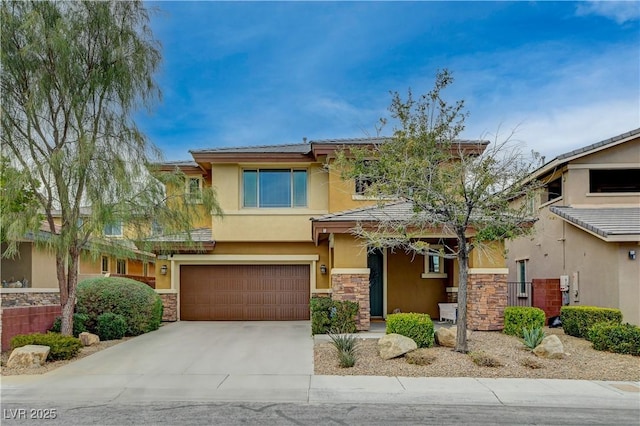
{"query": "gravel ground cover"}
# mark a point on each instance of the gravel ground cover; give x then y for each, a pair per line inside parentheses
(581, 361)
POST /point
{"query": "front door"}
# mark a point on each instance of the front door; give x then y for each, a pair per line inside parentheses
(374, 263)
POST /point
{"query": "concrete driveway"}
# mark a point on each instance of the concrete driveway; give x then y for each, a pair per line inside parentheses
(199, 347)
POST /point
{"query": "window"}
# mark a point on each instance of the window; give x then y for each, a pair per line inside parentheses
(434, 265)
(156, 229)
(554, 189)
(266, 188)
(113, 230)
(121, 267)
(522, 276)
(145, 269)
(105, 265)
(364, 181)
(194, 189)
(615, 180)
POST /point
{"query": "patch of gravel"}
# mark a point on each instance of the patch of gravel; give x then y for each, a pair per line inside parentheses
(52, 365)
(582, 362)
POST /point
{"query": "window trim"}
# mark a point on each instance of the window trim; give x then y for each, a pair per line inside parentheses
(190, 197)
(104, 270)
(121, 262)
(118, 223)
(292, 187)
(428, 274)
(522, 281)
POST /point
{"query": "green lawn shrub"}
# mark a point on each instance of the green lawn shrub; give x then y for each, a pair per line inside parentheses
(418, 327)
(334, 316)
(516, 318)
(79, 324)
(618, 338)
(111, 326)
(577, 320)
(138, 303)
(61, 347)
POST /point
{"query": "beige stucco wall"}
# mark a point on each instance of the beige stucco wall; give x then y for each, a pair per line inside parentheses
(348, 252)
(18, 267)
(342, 194)
(488, 255)
(43, 272)
(629, 279)
(260, 224)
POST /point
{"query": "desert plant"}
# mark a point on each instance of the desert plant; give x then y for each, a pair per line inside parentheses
(516, 318)
(577, 320)
(329, 315)
(484, 360)
(61, 347)
(421, 356)
(532, 336)
(612, 337)
(111, 326)
(346, 346)
(79, 324)
(140, 306)
(531, 363)
(418, 327)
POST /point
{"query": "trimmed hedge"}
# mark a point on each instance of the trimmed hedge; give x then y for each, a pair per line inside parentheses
(577, 320)
(418, 327)
(334, 316)
(140, 306)
(79, 324)
(111, 326)
(619, 338)
(517, 318)
(61, 347)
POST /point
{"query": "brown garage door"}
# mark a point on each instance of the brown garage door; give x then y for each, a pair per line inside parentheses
(244, 292)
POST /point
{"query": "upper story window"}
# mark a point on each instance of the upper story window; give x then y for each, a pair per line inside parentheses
(113, 229)
(363, 182)
(614, 180)
(554, 189)
(266, 188)
(194, 189)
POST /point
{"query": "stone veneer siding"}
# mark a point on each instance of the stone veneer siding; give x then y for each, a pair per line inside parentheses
(355, 288)
(486, 300)
(170, 303)
(31, 298)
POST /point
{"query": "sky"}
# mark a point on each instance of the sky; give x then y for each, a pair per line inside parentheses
(552, 76)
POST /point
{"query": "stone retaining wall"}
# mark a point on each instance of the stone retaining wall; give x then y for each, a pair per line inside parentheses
(355, 288)
(486, 300)
(29, 298)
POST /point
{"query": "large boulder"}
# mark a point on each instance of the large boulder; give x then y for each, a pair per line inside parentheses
(29, 356)
(89, 339)
(551, 347)
(446, 336)
(394, 345)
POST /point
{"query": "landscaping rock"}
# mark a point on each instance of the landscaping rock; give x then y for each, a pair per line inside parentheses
(89, 339)
(394, 345)
(29, 356)
(551, 347)
(446, 336)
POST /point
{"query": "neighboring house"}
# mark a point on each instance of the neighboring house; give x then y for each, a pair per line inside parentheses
(286, 236)
(588, 232)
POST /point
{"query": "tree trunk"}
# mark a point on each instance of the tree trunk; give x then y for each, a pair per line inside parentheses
(463, 270)
(68, 288)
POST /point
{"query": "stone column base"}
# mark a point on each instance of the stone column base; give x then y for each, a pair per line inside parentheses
(353, 284)
(486, 299)
(170, 304)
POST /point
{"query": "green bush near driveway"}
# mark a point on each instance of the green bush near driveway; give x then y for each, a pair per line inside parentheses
(61, 347)
(418, 327)
(79, 324)
(138, 303)
(577, 320)
(111, 326)
(517, 318)
(618, 338)
(333, 316)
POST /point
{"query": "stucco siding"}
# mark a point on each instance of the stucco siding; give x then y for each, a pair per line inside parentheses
(43, 264)
(629, 279)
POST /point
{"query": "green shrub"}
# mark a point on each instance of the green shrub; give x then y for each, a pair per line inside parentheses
(532, 337)
(62, 347)
(619, 338)
(336, 316)
(140, 306)
(484, 360)
(418, 327)
(577, 320)
(346, 359)
(347, 346)
(516, 318)
(111, 326)
(79, 324)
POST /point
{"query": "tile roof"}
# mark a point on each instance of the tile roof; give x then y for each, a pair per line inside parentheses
(607, 222)
(399, 210)
(598, 144)
(299, 148)
(198, 235)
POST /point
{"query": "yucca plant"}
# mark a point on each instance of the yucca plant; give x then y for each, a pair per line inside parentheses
(532, 336)
(347, 346)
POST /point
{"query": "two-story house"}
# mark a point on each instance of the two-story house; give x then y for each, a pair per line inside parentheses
(286, 236)
(588, 232)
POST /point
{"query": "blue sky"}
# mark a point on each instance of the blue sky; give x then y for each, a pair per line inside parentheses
(560, 74)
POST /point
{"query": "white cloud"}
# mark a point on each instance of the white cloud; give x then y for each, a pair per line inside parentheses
(619, 11)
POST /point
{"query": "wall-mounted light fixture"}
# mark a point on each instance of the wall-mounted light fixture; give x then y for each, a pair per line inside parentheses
(163, 270)
(323, 269)
(632, 254)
